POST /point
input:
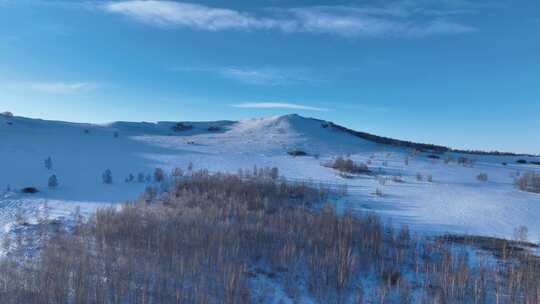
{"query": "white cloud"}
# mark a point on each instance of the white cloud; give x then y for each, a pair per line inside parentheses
(256, 76)
(441, 26)
(54, 87)
(277, 105)
(339, 21)
(170, 13)
(344, 21)
(353, 22)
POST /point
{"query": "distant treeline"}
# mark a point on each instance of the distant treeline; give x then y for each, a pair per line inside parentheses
(413, 145)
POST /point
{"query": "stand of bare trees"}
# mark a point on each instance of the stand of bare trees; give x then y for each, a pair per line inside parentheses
(528, 182)
(210, 237)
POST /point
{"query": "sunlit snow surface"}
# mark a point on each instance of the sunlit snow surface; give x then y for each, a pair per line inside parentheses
(454, 202)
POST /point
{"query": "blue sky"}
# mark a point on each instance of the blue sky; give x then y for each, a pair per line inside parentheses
(460, 73)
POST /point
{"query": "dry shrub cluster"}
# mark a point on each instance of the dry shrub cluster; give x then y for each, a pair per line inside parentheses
(528, 182)
(483, 177)
(210, 237)
(297, 152)
(397, 178)
(347, 165)
(465, 162)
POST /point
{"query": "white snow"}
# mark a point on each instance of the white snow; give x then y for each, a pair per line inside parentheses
(454, 202)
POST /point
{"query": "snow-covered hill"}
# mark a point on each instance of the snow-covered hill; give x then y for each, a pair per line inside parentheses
(454, 202)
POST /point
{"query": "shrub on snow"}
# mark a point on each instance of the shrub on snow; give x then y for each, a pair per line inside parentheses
(348, 166)
(179, 127)
(297, 152)
(107, 177)
(483, 177)
(29, 190)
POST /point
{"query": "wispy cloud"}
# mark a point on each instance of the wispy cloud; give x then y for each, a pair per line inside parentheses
(256, 76)
(354, 22)
(259, 77)
(442, 26)
(277, 105)
(170, 13)
(347, 21)
(53, 87)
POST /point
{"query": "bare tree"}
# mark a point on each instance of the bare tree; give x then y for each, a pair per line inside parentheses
(107, 177)
(159, 175)
(521, 233)
(53, 181)
(130, 178)
(48, 163)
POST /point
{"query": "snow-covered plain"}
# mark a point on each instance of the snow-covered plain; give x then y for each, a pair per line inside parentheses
(455, 201)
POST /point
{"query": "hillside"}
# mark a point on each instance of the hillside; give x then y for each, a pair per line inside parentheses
(455, 201)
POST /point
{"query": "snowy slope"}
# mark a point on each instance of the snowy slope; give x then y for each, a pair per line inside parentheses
(454, 202)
